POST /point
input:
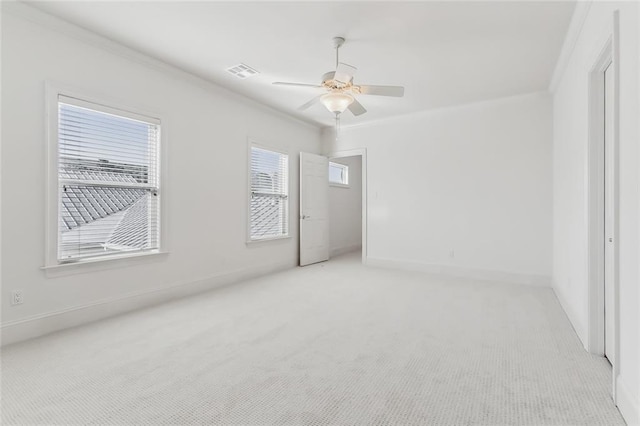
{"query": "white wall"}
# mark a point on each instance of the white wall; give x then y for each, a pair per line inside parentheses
(570, 187)
(464, 190)
(345, 210)
(206, 130)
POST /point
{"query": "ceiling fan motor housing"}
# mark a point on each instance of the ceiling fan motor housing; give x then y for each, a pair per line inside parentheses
(328, 81)
(328, 77)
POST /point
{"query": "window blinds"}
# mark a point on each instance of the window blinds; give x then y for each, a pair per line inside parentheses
(269, 206)
(338, 173)
(108, 181)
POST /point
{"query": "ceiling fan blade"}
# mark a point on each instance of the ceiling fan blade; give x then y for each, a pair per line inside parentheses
(310, 103)
(282, 83)
(396, 91)
(356, 108)
(344, 73)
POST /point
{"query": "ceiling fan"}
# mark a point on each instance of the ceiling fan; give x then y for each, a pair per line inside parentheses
(339, 88)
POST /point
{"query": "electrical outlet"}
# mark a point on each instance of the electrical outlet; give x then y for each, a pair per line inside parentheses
(17, 297)
(452, 254)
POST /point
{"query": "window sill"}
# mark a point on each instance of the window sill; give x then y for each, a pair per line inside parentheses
(272, 239)
(340, 185)
(100, 264)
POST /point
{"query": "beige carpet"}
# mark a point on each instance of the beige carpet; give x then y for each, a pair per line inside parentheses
(334, 343)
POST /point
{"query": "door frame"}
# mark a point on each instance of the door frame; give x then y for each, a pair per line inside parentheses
(362, 152)
(608, 55)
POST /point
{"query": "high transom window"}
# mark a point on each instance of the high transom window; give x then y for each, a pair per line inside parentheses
(338, 174)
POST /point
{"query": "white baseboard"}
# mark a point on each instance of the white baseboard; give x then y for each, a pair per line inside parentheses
(629, 408)
(462, 272)
(344, 250)
(573, 318)
(39, 325)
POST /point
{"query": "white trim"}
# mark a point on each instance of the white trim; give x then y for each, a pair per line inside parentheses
(2, 284)
(616, 203)
(595, 202)
(339, 185)
(268, 146)
(571, 38)
(344, 250)
(637, 402)
(608, 54)
(629, 408)
(106, 108)
(49, 322)
(53, 92)
(91, 265)
(571, 314)
(440, 110)
(463, 272)
(264, 240)
(362, 152)
(53, 23)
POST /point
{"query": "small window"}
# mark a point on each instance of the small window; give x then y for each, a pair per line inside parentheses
(269, 205)
(108, 181)
(338, 174)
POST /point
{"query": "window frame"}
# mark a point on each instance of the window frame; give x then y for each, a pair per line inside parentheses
(53, 92)
(252, 143)
(340, 184)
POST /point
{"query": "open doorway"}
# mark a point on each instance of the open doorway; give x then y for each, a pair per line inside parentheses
(347, 203)
(609, 215)
(602, 206)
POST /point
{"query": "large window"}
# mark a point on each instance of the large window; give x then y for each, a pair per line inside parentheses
(269, 204)
(338, 174)
(108, 181)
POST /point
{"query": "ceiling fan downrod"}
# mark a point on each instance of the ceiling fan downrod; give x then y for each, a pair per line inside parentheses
(337, 42)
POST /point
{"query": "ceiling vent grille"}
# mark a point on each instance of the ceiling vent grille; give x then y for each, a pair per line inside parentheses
(242, 71)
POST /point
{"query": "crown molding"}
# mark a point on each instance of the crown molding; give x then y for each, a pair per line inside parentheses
(440, 110)
(34, 15)
(570, 40)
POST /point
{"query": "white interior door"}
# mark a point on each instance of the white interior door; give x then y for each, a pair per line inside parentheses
(314, 208)
(609, 197)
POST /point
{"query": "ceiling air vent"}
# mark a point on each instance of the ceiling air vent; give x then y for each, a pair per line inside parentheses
(242, 71)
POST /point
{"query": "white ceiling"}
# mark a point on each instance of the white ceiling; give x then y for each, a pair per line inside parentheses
(444, 53)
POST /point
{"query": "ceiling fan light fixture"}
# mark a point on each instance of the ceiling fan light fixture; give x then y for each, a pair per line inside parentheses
(336, 102)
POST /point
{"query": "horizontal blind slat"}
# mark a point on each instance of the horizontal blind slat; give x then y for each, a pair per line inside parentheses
(115, 125)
